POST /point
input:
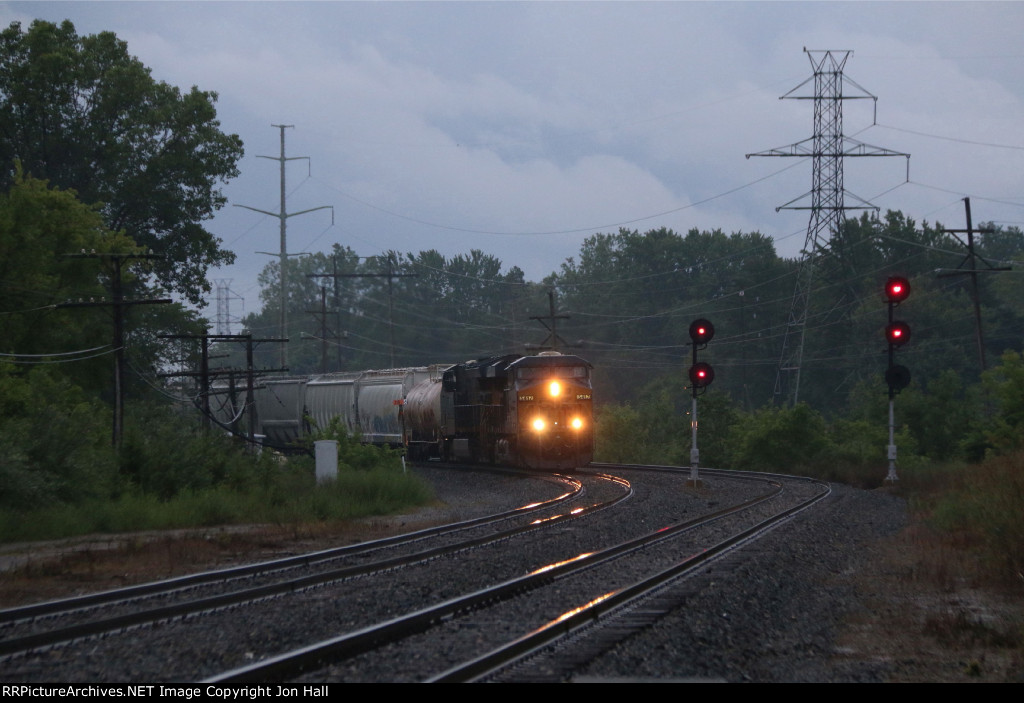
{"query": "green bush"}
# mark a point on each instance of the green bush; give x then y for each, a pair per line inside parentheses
(352, 453)
(786, 440)
(658, 431)
(55, 441)
(169, 472)
(619, 436)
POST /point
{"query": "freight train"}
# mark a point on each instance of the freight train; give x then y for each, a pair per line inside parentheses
(526, 411)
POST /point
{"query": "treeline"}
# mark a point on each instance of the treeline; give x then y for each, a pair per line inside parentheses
(629, 298)
(633, 295)
(395, 310)
(107, 177)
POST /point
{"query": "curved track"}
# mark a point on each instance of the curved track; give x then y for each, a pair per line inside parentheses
(485, 605)
(500, 587)
(45, 624)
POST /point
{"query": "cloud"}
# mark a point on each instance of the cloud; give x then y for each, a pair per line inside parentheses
(539, 117)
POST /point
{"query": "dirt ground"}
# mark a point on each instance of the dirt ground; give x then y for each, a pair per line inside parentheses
(926, 615)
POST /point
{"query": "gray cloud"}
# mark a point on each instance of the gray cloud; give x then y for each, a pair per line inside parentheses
(557, 117)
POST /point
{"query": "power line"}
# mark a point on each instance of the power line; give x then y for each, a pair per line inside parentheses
(951, 139)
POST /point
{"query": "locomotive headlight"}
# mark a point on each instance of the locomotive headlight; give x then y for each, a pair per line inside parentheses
(577, 423)
(539, 424)
(555, 389)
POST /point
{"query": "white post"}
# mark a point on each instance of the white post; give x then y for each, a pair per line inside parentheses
(694, 452)
(892, 477)
(326, 460)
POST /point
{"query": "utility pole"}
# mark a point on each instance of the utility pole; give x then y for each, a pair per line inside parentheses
(827, 149)
(205, 374)
(390, 275)
(337, 304)
(325, 332)
(972, 271)
(119, 304)
(283, 216)
(553, 341)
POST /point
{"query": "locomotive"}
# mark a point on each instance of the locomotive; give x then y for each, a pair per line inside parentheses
(525, 411)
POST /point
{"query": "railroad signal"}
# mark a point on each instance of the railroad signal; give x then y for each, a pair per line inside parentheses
(897, 377)
(897, 289)
(701, 331)
(701, 374)
(897, 333)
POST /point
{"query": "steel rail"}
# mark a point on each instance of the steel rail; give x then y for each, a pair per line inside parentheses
(63, 605)
(163, 613)
(617, 602)
(295, 662)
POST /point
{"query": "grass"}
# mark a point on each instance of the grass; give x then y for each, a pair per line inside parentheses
(293, 497)
(978, 508)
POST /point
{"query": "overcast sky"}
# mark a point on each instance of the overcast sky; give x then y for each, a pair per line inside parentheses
(523, 128)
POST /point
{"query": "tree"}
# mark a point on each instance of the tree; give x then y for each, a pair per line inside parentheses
(632, 296)
(39, 226)
(414, 309)
(84, 114)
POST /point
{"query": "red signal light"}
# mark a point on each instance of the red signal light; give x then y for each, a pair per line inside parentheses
(897, 333)
(701, 331)
(897, 289)
(701, 374)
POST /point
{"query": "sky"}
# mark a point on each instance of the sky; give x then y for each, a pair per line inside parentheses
(522, 128)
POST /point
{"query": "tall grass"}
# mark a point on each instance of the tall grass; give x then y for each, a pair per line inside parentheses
(979, 507)
(170, 474)
(290, 499)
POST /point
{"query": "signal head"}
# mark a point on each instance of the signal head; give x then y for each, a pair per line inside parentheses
(897, 333)
(701, 331)
(701, 374)
(897, 289)
(897, 377)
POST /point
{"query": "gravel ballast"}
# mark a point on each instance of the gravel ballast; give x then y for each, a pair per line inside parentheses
(779, 610)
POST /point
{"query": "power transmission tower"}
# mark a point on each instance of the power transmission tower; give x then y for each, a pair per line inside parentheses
(283, 216)
(827, 149)
(222, 324)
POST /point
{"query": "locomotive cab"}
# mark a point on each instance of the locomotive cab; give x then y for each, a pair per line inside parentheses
(527, 411)
(552, 405)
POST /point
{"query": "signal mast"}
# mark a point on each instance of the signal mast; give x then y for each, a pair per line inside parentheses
(897, 377)
(701, 375)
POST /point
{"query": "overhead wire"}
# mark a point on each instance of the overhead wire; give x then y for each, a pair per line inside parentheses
(576, 230)
(14, 358)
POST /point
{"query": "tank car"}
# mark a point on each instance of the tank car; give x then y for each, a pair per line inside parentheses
(529, 411)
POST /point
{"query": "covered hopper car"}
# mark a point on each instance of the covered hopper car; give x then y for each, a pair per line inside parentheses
(527, 411)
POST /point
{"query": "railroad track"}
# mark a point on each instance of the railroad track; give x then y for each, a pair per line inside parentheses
(481, 607)
(43, 625)
(509, 617)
